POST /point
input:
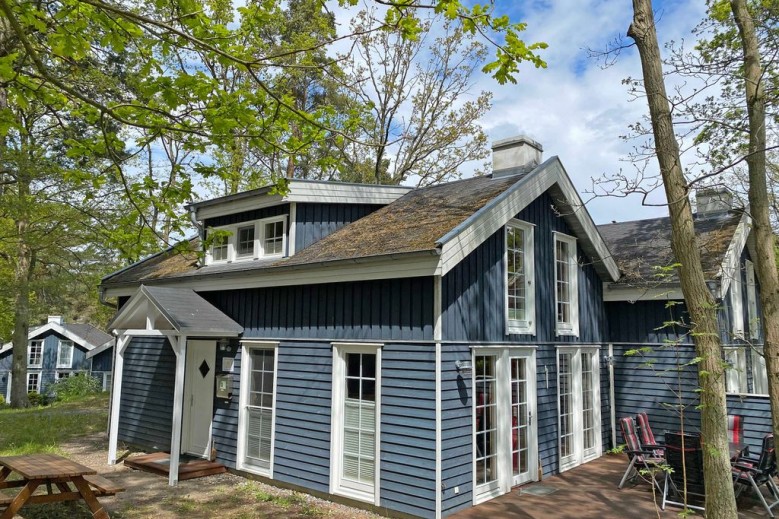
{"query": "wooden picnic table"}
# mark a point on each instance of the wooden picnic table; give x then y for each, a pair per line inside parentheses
(35, 470)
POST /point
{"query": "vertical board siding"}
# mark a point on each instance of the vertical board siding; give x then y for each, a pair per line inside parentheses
(648, 322)
(103, 360)
(315, 221)
(408, 429)
(397, 309)
(6, 360)
(224, 430)
(473, 291)
(247, 216)
(146, 408)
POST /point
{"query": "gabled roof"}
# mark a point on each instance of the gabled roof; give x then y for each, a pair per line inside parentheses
(438, 225)
(642, 247)
(185, 312)
(84, 335)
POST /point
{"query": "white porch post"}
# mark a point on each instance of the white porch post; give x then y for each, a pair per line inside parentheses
(116, 396)
(179, 344)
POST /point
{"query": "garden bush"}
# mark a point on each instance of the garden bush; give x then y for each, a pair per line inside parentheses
(76, 386)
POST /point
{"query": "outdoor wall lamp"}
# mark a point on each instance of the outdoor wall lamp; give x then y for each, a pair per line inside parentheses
(224, 344)
(464, 367)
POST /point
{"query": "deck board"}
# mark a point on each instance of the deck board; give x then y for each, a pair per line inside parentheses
(189, 468)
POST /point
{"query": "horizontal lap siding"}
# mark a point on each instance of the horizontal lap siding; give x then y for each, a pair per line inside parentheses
(756, 411)
(393, 309)
(456, 430)
(225, 424)
(408, 429)
(303, 393)
(473, 291)
(652, 382)
(146, 408)
(315, 221)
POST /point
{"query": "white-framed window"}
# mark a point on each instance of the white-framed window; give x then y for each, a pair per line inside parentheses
(754, 319)
(35, 354)
(59, 375)
(259, 363)
(736, 370)
(249, 240)
(107, 381)
(737, 303)
(759, 373)
(355, 431)
(566, 285)
(33, 382)
(520, 278)
(65, 354)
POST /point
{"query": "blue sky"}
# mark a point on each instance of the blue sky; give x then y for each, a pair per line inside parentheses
(575, 108)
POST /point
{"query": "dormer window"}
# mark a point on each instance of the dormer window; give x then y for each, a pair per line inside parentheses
(246, 241)
(249, 241)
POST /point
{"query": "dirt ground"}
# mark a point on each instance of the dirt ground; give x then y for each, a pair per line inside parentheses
(148, 495)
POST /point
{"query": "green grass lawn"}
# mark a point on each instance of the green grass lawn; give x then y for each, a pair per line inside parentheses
(43, 429)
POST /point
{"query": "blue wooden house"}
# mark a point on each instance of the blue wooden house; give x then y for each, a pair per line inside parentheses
(413, 351)
(58, 349)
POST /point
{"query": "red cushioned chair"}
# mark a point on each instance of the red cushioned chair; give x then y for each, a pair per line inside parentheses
(756, 472)
(648, 437)
(735, 428)
(643, 462)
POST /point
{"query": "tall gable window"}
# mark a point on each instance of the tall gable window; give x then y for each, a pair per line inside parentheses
(65, 354)
(566, 285)
(754, 319)
(249, 240)
(737, 303)
(520, 289)
(35, 354)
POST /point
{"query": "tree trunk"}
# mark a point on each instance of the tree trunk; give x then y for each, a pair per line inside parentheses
(720, 500)
(765, 260)
(22, 274)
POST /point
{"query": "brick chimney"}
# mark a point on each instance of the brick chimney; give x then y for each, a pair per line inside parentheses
(514, 155)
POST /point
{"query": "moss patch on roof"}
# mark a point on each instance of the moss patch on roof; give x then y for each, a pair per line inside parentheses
(179, 259)
(643, 247)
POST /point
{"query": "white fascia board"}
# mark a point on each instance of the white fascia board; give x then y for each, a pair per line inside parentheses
(400, 266)
(485, 222)
(313, 192)
(100, 349)
(633, 294)
(733, 255)
(55, 328)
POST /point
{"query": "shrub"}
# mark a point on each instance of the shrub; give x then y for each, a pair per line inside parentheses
(36, 399)
(76, 386)
(2, 400)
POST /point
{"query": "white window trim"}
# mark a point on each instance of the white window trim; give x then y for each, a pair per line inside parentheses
(259, 241)
(759, 373)
(527, 327)
(59, 353)
(340, 349)
(754, 319)
(737, 374)
(29, 349)
(107, 381)
(246, 347)
(571, 329)
(580, 456)
(38, 384)
(737, 303)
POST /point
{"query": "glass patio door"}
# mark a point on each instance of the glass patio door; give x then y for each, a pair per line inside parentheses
(578, 393)
(505, 443)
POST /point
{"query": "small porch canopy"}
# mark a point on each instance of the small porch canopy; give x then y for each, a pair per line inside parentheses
(175, 313)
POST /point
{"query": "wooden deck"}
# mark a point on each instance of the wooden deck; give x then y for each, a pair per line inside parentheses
(189, 468)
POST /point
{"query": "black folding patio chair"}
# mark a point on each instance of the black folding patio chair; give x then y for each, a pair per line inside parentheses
(644, 463)
(684, 477)
(756, 472)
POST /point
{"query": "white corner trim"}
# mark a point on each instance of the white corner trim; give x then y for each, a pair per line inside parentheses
(733, 254)
(438, 336)
(292, 226)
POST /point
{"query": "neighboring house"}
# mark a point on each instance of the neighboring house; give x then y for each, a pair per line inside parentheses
(414, 351)
(58, 349)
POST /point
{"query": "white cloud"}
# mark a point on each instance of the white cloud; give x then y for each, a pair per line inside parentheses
(576, 109)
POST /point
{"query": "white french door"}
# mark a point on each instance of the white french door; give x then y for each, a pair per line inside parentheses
(504, 440)
(578, 392)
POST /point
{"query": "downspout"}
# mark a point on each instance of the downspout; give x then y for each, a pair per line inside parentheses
(437, 337)
(201, 233)
(612, 409)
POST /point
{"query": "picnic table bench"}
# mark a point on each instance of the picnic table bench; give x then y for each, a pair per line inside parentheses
(51, 470)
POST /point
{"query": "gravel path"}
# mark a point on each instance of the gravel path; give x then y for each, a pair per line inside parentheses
(222, 495)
